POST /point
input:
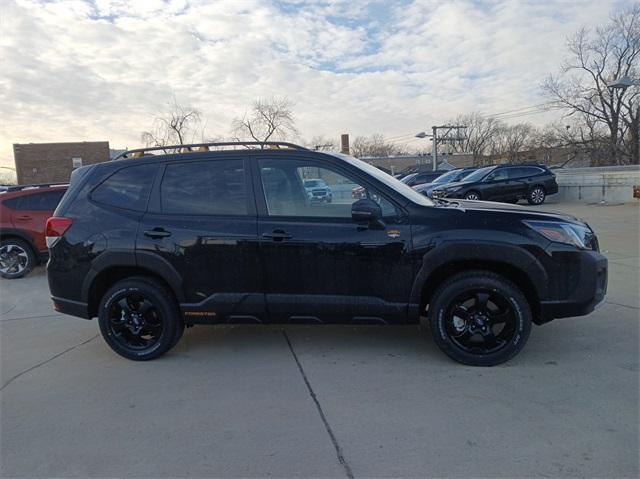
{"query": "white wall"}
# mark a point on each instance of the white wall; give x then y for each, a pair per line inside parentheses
(613, 184)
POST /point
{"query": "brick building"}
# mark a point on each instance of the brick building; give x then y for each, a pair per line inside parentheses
(54, 162)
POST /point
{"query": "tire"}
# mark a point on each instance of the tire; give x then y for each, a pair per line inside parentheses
(139, 319)
(178, 334)
(17, 258)
(537, 195)
(488, 328)
(472, 195)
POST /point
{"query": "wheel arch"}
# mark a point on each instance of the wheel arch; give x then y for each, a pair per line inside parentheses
(516, 265)
(8, 233)
(113, 266)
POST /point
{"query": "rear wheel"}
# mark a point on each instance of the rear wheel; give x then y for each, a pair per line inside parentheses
(139, 319)
(536, 196)
(472, 195)
(479, 318)
(17, 258)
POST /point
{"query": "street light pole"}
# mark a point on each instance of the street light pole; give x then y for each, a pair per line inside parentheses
(622, 84)
(435, 148)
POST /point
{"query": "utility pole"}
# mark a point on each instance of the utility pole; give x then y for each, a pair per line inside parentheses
(445, 137)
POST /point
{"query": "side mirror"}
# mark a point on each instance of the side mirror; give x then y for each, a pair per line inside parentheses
(367, 211)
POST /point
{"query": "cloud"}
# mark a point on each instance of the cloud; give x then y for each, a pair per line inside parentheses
(103, 69)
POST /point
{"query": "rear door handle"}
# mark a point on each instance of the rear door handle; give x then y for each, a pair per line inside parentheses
(24, 218)
(277, 235)
(157, 233)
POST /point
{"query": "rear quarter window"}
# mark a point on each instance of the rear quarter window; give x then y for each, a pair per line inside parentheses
(127, 188)
(45, 201)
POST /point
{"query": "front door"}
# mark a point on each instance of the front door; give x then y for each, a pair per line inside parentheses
(496, 185)
(202, 221)
(320, 266)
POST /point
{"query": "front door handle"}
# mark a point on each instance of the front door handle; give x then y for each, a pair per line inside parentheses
(157, 233)
(277, 235)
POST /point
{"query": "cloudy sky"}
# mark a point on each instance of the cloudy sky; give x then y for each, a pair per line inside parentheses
(103, 69)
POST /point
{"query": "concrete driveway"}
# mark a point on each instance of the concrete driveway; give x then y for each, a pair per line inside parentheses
(325, 401)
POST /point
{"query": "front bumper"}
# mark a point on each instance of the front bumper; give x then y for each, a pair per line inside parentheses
(587, 291)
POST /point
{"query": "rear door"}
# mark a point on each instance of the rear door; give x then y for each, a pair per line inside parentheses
(31, 212)
(202, 221)
(320, 266)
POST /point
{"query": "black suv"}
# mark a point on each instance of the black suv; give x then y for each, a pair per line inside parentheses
(508, 183)
(151, 244)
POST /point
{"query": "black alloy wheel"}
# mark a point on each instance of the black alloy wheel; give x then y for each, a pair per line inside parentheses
(480, 321)
(139, 319)
(479, 318)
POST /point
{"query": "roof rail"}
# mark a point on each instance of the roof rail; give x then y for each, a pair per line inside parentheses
(140, 152)
(34, 186)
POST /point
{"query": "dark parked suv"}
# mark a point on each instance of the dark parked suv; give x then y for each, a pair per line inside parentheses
(508, 183)
(151, 244)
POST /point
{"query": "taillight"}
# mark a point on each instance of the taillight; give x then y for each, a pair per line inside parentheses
(56, 227)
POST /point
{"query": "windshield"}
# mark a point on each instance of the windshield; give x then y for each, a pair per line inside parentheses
(447, 177)
(388, 180)
(313, 183)
(408, 178)
(479, 174)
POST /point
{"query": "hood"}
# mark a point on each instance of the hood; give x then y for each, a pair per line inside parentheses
(423, 186)
(507, 208)
(453, 184)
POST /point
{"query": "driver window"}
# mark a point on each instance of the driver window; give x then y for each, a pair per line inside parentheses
(498, 175)
(301, 189)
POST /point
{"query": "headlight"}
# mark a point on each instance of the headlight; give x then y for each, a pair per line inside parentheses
(567, 233)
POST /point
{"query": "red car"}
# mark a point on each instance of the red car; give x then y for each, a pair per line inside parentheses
(24, 211)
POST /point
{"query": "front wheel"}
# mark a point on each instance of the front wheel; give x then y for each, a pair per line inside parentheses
(472, 195)
(479, 318)
(139, 319)
(536, 196)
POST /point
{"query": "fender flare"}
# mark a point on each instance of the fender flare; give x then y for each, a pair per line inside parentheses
(22, 235)
(141, 259)
(502, 253)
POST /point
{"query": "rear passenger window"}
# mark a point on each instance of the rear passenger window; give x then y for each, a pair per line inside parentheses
(127, 188)
(47, 201)
(518, 172)
(214, 187)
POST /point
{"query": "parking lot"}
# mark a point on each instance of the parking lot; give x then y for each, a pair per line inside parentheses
(247, 401)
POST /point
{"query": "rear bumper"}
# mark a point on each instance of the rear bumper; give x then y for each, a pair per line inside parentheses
(72, 308)
(587, 294)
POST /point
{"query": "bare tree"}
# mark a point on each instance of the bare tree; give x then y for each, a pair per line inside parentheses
(7, 176)
(598, 57)
(323, 143)
(481, 131)
(269, 119)
(375, 145)
(581, 140)
(512, 139)
(177, 126)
